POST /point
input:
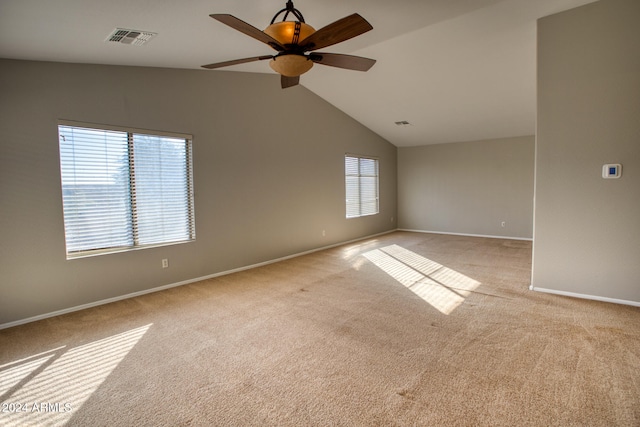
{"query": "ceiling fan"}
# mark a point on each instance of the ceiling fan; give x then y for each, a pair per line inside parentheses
(296, 43)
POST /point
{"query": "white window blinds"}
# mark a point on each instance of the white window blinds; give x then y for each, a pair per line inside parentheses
(123, 190)
(361, 183)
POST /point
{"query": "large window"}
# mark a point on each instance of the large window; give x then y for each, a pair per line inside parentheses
(361, 182)
(124, 189)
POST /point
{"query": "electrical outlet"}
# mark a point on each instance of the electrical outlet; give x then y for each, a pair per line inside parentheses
(324, 233)
(504, 223)
(165, 263)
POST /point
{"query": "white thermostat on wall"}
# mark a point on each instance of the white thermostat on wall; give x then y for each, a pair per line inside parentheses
(612, 171)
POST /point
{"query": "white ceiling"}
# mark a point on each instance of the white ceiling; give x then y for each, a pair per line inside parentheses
(456, 70)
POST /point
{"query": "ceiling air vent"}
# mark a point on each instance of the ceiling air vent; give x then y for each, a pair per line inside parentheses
(134, 37)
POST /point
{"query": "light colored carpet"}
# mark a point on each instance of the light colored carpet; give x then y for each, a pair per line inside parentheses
(401, 330)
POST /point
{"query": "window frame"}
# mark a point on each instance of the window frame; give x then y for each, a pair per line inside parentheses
(130, 131)
(359, 175)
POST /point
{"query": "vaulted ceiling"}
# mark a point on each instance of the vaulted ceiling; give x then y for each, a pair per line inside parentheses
(455, 70)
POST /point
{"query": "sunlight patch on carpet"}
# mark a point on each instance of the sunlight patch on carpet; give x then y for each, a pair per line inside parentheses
(351, 251)
(11, 374)
(443, 288)
(48, 388)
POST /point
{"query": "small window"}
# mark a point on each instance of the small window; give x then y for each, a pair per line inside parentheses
(124, 189)
(361, 182)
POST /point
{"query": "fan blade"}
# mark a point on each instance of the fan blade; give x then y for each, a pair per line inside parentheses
(236, 62)
(339, 60)
(248, 29)
(341, 30)
(289, 81)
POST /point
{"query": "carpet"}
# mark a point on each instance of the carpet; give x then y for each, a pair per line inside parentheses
(405, 329)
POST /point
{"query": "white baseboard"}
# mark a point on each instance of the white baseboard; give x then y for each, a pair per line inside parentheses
(173, 285)
(529, 239)
(584, 296)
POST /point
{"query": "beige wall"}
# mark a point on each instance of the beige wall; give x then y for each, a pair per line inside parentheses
(468, 187)
(587, 229)
(268, 176)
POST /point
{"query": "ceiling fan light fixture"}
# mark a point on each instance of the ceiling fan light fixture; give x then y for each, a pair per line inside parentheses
(289, 32)
(291, 65)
